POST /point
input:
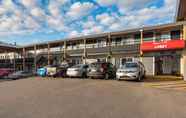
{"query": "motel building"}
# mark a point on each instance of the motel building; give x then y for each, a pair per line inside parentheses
(161, 48)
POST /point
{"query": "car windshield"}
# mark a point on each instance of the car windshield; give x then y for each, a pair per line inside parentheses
(95, 65)
(130, 65)
(77, 66)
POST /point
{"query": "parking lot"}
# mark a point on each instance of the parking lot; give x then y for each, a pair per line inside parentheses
(78, 98)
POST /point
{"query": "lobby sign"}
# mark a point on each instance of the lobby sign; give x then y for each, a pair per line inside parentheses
(162, 45)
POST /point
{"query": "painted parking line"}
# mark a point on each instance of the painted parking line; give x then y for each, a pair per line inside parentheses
(165, 83)
(176, 85)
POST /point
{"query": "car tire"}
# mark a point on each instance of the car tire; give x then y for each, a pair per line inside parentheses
(106, 76)
(83, 75)
(139, 78)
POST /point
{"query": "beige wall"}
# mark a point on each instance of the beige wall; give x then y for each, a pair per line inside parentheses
(183, 58)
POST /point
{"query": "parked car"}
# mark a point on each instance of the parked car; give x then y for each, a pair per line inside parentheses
(57, 70)
(42, 71)
(61, 70)
(51, 70)
(131, 71)
(19, 75)
(79, 70)
(5, 72)
(104, 70)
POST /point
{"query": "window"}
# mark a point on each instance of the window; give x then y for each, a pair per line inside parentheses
(118, 41)
(175, 35)
(165, 36)
(124, 60)
(148, 36)
(126, 40)
(137, 37)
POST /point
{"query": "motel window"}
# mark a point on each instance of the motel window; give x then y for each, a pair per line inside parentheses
(158, 36)
(137, 38)
(124, 60)
(165, 36)
(175, 35)
(128, 40)
(118, 41)
(148, 36)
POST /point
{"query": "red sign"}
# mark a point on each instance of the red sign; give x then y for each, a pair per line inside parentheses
(162, 45)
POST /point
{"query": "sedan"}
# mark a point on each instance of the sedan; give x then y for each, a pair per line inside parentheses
(19, 75)
(131, 71)
(78, 71)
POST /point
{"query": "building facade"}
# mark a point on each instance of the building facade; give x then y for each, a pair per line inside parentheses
(161, 48)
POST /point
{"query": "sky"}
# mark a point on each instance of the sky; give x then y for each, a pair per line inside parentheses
(35, 21)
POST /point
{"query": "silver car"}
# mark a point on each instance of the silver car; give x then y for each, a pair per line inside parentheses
(131, 71)
(78, 71)
(19, 75)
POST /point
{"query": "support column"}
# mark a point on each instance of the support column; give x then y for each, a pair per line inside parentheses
(6, 57)
(14, 61)
(48, 54)
(141, 42)
(110, 48)
(61, 53)
(24, 58)
(65, 49)
(85, 52)
(35, 58)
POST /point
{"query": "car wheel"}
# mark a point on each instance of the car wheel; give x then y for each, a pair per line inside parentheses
(139, 78)
(118, 79)
(90, 77)
(106, 76)
(143, 76)
(84, 75)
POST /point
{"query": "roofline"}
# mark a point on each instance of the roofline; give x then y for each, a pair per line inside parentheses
(106, 34)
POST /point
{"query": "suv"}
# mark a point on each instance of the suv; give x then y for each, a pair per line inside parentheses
(101, 70)
(131, 71)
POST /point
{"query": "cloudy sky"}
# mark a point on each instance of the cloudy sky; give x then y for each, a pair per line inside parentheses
(32, 21)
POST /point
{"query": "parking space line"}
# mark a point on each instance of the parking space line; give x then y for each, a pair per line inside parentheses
(176, 85)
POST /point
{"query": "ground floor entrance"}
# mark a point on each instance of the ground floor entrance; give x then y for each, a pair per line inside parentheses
(163, 62)
(167, 65)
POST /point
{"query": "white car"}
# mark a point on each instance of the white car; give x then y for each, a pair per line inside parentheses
(131, 71)
(78, 71)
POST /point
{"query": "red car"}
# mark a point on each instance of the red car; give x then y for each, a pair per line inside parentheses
(5, 72)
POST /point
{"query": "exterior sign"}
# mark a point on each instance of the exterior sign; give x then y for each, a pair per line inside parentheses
(162, 45)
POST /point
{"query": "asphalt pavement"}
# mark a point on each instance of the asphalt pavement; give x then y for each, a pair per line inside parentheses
(75, 98)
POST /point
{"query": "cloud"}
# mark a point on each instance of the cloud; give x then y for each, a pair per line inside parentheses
(81, 18)
(106, 2)
(105, 19)
(73, 34)
(28, 3)
(78, 9)
(37, 12)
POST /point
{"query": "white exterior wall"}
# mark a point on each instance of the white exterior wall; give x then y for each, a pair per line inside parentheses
(149, 63)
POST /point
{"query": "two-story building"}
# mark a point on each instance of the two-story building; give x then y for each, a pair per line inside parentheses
(161, 48)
